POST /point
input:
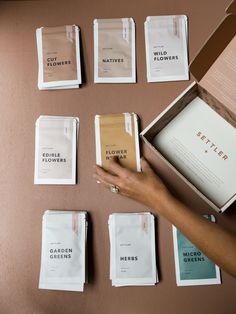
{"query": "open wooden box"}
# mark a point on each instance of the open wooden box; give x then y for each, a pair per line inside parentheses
(214, 68)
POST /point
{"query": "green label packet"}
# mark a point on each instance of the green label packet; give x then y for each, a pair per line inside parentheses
(191, 265)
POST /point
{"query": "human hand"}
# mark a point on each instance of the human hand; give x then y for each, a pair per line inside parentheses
(145, 187)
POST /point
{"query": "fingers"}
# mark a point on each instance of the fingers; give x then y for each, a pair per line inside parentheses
(99, 180)
(116, 168)
(145, 165)
(105, 177)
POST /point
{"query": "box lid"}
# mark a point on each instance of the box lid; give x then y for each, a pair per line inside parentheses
(214, 67)
(215, 44)
(231, 8)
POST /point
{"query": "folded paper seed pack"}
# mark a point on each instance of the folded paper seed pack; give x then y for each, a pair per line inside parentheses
(117, 135)
(56, 150)
(132, 249)
(58, 57)
(192, 267)
(196, 133)
(166, 40)
(64, 250)
(114, 51)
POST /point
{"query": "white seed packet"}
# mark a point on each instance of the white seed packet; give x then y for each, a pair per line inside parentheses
(114, 51)
(63, 254)
(192, 267)
(55, 150)
(132, 249)
(58, 57)
(166, 41)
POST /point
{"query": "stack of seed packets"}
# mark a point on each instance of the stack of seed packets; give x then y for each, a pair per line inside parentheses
(114, 51)
(58, 57)
(166, 40)
(192, 267)
(56, 150)
(132, 249)
(64, 251)
(117, 135)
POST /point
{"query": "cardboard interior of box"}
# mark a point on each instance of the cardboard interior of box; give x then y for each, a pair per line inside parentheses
(205, 59)
(211, 52)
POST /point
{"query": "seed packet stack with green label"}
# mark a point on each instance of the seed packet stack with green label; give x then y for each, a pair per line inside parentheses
(64, 250)
(192, 267)
(132, 249)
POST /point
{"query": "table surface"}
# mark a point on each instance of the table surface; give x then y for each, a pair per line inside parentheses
(23, 203)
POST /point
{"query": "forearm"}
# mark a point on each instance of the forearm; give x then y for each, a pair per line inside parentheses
(218, 244)
(147, 188)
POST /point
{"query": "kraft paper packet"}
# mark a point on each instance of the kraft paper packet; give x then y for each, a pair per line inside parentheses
(192, 267)
(132, 249)
(64, 250)
(117, 135)
(166, 40)
(58, 57)
(56, 150)
(114, 51)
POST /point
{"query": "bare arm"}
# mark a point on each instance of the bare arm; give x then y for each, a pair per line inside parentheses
(146, 187)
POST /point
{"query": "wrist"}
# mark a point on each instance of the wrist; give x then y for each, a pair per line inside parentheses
(163, 200)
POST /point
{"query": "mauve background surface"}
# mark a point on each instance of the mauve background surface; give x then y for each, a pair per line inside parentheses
(22, 203)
